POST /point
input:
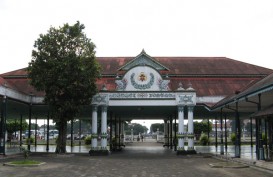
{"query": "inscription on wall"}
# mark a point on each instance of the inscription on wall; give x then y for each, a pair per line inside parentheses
(141, 95)
(182, 98)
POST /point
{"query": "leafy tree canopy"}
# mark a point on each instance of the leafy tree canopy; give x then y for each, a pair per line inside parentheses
(33, 126)
(202, 126)
(14, 125)
(159, 126)
(64, 66)
(137, 128)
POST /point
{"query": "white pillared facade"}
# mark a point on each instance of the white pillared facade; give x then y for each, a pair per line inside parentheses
(143, 85)
(149, 86)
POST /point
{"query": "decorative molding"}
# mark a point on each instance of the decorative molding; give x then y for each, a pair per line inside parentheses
(142, 95)
(94, 136)
(143, 60)
(121, 84)
(103, 135)
(190, 108)
(190, 135)
(142, 86)
(181, 135)
(180, 87)
(100, 99)
(181, 98)
(188, 99)
(163, 85)
(104, 108)
(180, 108)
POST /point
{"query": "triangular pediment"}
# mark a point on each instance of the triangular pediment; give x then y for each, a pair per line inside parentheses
(143, 59)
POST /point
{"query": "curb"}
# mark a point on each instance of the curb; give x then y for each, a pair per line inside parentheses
(228, 165)
(17, 165)
(251, 164)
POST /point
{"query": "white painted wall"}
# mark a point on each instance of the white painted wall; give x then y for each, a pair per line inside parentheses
(147, 71)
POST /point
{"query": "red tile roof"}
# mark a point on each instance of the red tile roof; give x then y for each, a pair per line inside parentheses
(212, 86)
(252, 88)
(190, 65)
(209, 76)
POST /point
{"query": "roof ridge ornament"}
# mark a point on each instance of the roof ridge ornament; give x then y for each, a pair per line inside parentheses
(143, 51)
(103, 88)
(190, 86)
(180, 87)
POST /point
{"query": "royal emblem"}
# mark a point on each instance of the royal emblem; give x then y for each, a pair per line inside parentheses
(142, 77)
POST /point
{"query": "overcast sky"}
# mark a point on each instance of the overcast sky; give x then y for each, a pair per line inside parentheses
(237, 29)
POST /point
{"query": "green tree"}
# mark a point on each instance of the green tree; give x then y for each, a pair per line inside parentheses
(64, 66)
(137, 128)
(204, 140)
(156, 126)
(14, 125)
(33, 126)
(202, 126)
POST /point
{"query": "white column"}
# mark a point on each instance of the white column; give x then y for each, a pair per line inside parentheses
(180, 128)
(190, 128)
(104, 127)
(165, 132)
(94, 136)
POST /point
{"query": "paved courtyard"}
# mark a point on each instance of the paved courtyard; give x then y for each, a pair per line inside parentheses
(140, 160)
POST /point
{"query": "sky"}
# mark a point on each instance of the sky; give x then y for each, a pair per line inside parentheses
(237, 29)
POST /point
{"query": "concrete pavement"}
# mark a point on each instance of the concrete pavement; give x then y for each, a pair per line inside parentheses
(140, 160)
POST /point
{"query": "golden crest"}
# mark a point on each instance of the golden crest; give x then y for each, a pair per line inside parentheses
(142, 77)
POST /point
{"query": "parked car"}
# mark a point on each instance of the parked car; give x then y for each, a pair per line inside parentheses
(78, 137)
(53, 134)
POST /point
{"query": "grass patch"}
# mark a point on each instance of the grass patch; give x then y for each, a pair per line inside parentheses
(25, 162)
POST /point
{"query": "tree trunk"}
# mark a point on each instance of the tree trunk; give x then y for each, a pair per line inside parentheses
(61, 140)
